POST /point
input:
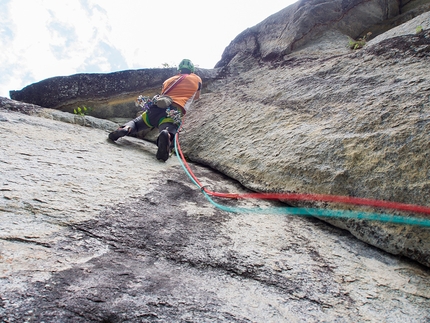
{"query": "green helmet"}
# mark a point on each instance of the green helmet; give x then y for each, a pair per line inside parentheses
(186, 63)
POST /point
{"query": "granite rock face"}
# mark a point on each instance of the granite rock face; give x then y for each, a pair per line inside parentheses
(109, 95)
(356, 124)
(326, 25)
(304, 22)
(95, 231)
(291, 108)
(67, 93)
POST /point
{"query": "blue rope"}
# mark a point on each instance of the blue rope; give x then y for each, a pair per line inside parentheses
(327, 213)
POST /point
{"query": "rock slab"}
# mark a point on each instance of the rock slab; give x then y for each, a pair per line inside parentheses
(88, 236)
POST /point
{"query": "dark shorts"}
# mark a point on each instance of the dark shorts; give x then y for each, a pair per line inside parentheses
(155, 117)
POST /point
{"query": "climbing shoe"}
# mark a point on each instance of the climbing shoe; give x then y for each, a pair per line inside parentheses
(163, 143)
(118, 133)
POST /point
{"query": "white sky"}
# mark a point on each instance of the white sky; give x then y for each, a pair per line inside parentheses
(45, 38)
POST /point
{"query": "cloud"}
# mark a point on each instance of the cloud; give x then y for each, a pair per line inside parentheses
(48, 38)
(62, 38)
(105, 58)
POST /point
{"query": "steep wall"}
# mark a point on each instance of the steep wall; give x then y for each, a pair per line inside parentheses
(326, 25)
(356, 124)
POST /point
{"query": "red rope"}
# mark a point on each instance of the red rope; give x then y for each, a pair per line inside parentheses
(307, 197)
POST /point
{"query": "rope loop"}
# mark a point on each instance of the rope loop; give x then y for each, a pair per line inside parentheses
(328, 213)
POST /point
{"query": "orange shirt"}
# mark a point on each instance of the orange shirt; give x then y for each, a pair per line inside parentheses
(183, 93)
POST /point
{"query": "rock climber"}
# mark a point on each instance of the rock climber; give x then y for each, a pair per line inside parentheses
(182, 88)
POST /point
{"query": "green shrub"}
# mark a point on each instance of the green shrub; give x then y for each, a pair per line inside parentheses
(360, 42)
(82, 111)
